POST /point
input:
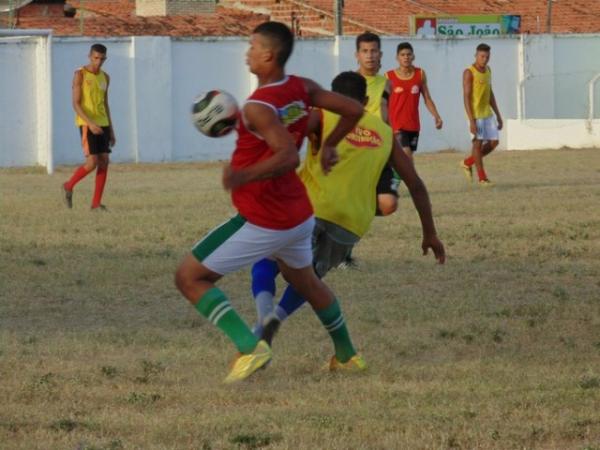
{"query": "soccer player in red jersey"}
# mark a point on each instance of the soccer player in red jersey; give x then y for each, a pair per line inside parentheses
(275, 217)
(408, 83)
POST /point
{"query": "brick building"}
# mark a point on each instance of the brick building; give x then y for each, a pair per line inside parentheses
(307, 17)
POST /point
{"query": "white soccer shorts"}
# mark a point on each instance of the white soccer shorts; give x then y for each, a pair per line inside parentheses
(238, 243)
(487, 129)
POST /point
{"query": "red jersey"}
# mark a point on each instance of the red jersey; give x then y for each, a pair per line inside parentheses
(281, 202)
(403, 102)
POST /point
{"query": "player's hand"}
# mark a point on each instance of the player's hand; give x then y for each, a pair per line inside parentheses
(473, 127)
(95, 129)
(439, 123)
(232, 178)
(433, 243)
(329, 158)
(500, 123)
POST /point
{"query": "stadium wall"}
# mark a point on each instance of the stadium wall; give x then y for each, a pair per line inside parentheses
(154, 80)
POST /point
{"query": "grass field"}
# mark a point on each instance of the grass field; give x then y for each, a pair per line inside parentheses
(497, 349)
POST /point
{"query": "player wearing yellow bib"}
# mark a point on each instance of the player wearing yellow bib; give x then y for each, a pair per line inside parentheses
(480, 106)
(368, 56)
(92, 116)
(343, 200)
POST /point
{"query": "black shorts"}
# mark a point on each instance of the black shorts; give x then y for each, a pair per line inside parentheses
(388, 182)
(408, 139)
(94, 144)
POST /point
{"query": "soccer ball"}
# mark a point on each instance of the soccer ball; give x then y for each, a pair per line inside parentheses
(215, 113)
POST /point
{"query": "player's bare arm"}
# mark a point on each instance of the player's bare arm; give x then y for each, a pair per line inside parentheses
(467, 93)
(350, 111)
(406, 169)
(494, 106)
(314, 128)
(263, 121)
(112, 139)
(384, 102)
(76, 90)
(429, 103)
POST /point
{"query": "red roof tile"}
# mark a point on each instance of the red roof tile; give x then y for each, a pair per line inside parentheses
(311, 17)
(117, 18)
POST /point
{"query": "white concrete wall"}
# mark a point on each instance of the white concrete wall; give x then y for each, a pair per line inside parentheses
(18, 103)
(576, 62)
(533, 134)
(155, 79)
(539, 77)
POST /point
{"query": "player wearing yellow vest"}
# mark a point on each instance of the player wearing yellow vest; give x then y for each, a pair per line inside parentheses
(343, 199)
(92, 116)
(368, 56)
(480, 105)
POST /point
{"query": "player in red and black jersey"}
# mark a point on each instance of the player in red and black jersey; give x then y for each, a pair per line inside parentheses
(408, 83)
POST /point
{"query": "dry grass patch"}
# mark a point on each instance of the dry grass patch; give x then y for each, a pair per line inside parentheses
(498, 349)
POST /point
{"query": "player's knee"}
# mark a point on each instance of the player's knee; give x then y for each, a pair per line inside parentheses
(103, 164)
(182, 279)
(493, 145)
(387, 206)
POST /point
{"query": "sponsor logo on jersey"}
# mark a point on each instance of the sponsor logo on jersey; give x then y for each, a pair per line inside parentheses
(364, 138)
(292, 113)
(398, 89)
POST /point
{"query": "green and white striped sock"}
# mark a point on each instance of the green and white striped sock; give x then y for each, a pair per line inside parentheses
(333, 321)
(215, 306)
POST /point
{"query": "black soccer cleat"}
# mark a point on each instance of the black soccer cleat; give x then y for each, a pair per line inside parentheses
(271, 325)
(67, 197)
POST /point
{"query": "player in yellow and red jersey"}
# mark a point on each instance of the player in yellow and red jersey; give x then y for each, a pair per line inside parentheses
(480, 106)
(90, 102)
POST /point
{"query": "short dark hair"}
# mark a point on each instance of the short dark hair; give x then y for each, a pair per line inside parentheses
(98, 48)
(367, 36)
(403, 46)
(483, 48)
(350, 84)
(280, 38)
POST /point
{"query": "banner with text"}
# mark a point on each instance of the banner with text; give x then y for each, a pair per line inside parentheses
(473, 25)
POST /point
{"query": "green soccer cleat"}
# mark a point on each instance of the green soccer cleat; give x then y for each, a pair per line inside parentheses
(468, 171)
(354, 364)
(246, 365)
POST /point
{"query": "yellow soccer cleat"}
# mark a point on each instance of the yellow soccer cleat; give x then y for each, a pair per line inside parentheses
(246, 365)
(468, 171)
(485, 183)
(354, 364)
